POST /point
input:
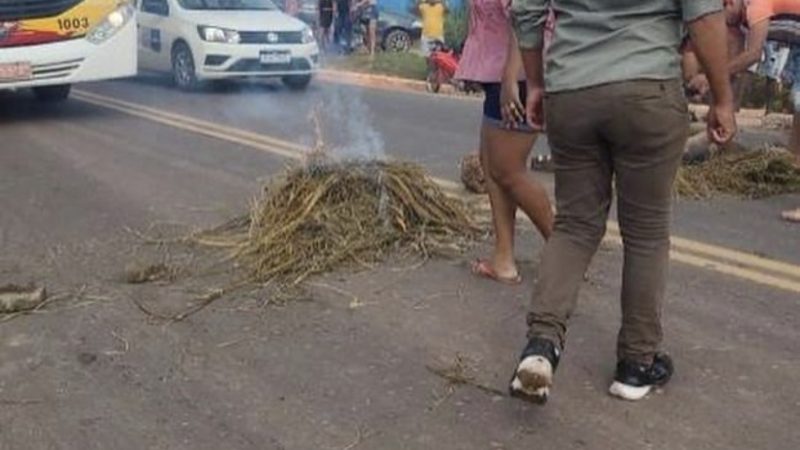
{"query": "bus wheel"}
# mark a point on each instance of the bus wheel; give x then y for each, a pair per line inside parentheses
(57, 93)
(183, 69)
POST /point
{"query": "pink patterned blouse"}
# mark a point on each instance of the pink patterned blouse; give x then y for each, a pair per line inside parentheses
(486, 47)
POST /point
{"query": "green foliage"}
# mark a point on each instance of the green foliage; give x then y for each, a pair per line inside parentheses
(398, 64)
(457, 25)
(757, 91)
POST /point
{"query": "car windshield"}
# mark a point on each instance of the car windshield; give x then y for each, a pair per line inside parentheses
(261, 5)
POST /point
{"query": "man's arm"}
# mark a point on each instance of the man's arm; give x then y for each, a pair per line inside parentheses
(710, 44)
(756, 38)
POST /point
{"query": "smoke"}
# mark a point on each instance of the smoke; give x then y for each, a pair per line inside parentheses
(350, 133)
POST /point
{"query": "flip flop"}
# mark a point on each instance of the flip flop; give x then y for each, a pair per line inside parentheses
(542, 163)
(793, 215)
(483, 269)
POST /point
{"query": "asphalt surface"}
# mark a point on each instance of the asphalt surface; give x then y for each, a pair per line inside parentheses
(353, 364)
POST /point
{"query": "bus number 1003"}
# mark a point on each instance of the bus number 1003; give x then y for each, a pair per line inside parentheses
(73, 24)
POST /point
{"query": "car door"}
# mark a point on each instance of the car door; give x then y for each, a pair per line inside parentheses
(154, 19)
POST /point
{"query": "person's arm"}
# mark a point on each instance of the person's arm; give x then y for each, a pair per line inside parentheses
(529, 17)
(709, 38)
(510, 105)
(756, 38)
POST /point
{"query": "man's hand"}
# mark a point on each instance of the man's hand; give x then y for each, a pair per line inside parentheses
(721, 123)
(511, 107)
(709, 38)
(534, 110)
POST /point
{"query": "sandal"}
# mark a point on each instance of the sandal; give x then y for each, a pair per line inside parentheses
(542, 163)
(483, 269)
(793, 215)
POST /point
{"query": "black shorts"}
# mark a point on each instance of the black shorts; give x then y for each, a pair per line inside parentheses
(325, 19)
(492, 113)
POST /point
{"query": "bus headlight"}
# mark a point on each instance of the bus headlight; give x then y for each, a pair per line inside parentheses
(113, 22)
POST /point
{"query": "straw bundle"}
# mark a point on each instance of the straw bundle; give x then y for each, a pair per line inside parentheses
(329, 215)
(753, 174)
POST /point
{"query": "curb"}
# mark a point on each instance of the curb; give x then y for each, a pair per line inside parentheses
(748, 118)
(752, 118)
(383, 82)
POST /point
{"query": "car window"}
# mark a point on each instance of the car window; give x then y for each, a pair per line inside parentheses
(261, 5)
(158, 7)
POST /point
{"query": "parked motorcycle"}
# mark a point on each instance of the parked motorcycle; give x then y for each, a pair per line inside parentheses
(442, 67)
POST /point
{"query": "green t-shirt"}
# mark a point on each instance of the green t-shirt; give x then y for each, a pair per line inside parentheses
(605, 41)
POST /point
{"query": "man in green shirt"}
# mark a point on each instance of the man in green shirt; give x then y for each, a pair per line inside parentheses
(610, 92)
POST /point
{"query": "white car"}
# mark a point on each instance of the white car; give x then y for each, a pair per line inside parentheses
(199, 40)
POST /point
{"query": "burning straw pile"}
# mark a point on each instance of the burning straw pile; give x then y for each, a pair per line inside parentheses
(752, 174)
(327, 215)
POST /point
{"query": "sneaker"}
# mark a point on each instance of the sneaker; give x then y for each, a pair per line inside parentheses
(634, 380)
(534, 375)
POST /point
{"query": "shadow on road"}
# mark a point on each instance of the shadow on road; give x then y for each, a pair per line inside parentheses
(255, 85)
(22, 106)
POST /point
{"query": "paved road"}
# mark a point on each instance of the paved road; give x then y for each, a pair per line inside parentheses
(91, 371)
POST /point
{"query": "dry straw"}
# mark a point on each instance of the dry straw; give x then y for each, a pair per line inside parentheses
(751, 174)
(328, 214)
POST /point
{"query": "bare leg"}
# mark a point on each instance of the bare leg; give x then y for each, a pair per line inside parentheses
(373, 32)
(508, 167)
(794, 147)
(504, 212)
(794, 140)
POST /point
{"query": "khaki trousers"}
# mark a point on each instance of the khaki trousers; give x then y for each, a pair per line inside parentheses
(625, 138)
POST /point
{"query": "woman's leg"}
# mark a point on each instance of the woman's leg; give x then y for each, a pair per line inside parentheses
(504, 212)
(508, 153)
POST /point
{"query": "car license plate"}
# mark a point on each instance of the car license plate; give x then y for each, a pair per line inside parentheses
(275, 58)
(15, 71)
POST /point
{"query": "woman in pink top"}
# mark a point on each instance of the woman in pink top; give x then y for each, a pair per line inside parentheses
(491, 57)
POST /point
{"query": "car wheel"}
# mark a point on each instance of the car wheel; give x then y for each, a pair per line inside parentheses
(397, 40)
(183, 68)
(52, 94)
(297, 82)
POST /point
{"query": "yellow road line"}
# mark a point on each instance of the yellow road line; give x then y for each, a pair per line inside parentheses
(269, 144)
(731, 262)
(734, 256)
(721, 267)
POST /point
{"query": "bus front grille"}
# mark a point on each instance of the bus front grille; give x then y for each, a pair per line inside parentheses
(14, 10)
(61, 69)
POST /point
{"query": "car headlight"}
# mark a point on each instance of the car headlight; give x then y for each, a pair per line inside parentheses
(215, 34)
(308, 35)
(112, 23)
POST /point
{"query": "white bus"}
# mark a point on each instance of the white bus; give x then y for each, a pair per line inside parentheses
(48, 45)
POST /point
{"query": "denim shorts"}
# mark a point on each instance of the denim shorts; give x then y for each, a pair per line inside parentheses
(782, 62)
(492, 109)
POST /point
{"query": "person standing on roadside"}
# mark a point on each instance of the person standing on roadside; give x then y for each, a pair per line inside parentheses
(778, 21)
(491, 58)
(343, 28)
(292, 7)
(433, 14)
(324, 21)
(611, 95)
(368, 10)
